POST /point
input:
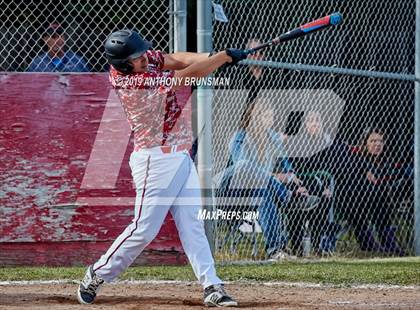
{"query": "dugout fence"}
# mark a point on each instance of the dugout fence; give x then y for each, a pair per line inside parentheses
(85, 24)
(328, 97)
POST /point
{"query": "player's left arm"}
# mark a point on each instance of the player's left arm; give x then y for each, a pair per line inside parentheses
(181, 60)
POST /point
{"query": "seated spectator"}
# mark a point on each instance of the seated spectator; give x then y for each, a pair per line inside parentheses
(56, 58)
(375, 176)
(254, 151)
(313, 149)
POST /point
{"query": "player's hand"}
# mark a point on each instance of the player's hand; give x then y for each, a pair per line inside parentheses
(236, 55)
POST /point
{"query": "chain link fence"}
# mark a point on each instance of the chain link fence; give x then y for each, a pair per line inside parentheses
(314, 163)
(25, 43)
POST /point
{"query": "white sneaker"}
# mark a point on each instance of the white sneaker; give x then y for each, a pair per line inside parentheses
(215, 296)
(89, 287)
(281, 256)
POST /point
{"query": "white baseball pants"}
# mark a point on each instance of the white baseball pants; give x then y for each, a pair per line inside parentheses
(164, 182)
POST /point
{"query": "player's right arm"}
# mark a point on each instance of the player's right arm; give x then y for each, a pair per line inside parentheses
(181, 60)
(208, 65)
(204, 67)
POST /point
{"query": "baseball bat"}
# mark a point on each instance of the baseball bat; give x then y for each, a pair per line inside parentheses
(316, 25)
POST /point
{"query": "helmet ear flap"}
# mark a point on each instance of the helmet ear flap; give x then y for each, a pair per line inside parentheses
(125, 67)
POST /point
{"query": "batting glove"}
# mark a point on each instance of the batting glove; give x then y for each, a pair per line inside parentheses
(236, 54)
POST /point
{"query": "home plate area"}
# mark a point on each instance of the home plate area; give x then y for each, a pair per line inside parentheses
(175, 295)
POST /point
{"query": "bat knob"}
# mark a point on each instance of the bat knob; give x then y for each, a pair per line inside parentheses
(336, 18)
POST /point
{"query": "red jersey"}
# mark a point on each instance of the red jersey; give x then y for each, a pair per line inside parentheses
(151, 108)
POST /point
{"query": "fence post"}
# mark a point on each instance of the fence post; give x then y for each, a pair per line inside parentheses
(177, 26)
(417, 137)
(204, 116)
(171, 26)
(180, 25)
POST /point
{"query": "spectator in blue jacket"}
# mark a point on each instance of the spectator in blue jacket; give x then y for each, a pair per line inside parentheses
(255, 150)
(56, 58)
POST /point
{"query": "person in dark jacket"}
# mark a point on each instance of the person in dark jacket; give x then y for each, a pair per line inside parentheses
(317, 158)
(374, 177)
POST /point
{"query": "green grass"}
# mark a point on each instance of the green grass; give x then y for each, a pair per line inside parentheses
(401, 271)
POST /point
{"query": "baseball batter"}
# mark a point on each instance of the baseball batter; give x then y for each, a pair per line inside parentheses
(164, 174)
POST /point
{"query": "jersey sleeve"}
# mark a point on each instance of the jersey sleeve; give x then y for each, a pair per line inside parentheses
(156, 58)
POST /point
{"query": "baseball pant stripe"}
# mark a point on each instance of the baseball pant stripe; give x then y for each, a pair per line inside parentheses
(138, 217)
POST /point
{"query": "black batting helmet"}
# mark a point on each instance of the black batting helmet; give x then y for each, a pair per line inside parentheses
(122, 46)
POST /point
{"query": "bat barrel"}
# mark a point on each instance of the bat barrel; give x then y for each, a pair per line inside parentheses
(319, 24)
(327, 21)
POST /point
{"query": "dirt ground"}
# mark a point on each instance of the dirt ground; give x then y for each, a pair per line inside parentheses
(181, 296)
